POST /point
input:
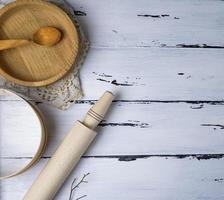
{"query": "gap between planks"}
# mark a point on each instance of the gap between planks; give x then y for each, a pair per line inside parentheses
(163, 46)
(138, 101)
(135, 157)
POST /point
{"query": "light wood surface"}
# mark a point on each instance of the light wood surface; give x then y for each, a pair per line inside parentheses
(34, 65)
(169, 107)
(176, 24)
(110, 178)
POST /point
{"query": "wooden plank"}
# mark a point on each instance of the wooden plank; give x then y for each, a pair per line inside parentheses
(132, 128)
(152, 178)
(114, 23)
(187, 23)
(154, 74)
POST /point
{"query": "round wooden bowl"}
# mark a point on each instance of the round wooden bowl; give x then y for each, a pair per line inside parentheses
(34, 65)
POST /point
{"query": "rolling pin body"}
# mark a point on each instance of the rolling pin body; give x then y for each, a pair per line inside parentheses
(61, 164)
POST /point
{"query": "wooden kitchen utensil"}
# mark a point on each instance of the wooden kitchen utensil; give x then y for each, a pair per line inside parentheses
(69, 152)
(34, 65)
(45, 36)
(39, 132)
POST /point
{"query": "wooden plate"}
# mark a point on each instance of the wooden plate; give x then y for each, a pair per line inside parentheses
(34, 65)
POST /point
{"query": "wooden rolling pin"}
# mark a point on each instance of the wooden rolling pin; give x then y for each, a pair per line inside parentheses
(69, 152)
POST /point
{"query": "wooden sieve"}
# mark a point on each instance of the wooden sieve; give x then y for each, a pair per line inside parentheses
(41, 129)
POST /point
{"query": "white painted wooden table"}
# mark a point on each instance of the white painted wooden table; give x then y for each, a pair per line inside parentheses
(164, 136)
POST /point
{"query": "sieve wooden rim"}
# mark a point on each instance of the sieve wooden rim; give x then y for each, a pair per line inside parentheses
(43, 135)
